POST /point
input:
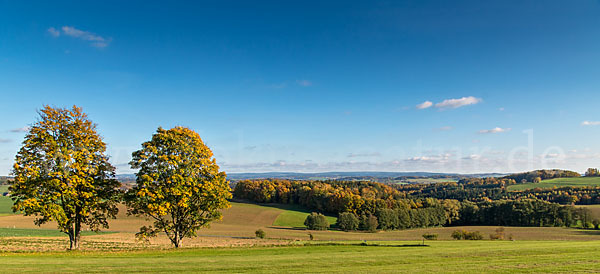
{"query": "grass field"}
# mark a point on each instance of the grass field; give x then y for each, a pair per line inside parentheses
(230, 246)
(294, 216)
(442, 256)
(5, 201)
(560, 182)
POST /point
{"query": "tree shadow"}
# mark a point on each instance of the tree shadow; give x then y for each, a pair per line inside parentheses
(288, 228)
(588, 232)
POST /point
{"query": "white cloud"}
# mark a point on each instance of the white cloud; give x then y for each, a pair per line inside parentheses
(472, 157)
(494, 130)
(54, 32)
(304, 83)
(450, 103)
(2, 140)
(96, 40)
(424, 105)
(279, 86)
(372, 154)
(22, 129)
(590, 123)
(456, 103)
(446, 128)
(441, 158)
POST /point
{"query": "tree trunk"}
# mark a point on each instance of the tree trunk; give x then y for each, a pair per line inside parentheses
(71, 239)
(176, 240)
(74, 237)
(75, 234)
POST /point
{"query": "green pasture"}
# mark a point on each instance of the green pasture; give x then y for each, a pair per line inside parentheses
(294, 216)
(443, 256)
(559, 182)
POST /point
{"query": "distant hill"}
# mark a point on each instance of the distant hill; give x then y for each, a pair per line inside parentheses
(543, 174)
(366, 175)
(4, 179)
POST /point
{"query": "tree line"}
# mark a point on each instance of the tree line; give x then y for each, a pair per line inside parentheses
(483, 189)
(370, 206)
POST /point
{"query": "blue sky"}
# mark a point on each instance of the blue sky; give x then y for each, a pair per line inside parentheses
(443, 86)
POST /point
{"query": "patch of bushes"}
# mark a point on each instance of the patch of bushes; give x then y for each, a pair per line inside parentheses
(261, 234)
(466, 235)
(430, 236)
(316, 221)
(499, 235)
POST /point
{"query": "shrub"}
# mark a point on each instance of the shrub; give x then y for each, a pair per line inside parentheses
(316, 221)
(466, 235)
(499, 235)
(347, 221)
(260, 234)
(459, 234)
(475, 235)
(368, 223)
(430, 236)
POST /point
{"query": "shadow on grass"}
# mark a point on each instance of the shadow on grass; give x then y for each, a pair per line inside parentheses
(588, 232)
(288, 228)
(364, 244)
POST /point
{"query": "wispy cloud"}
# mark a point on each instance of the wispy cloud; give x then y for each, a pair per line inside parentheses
(450, 103)
(278, 86)
(441, 158)
(446, 128)
(424, 105)
(54, 32)
(21, 129)
(2, 140)
(494, 130)
(456, 103)
(590, 123)
(304, 83)
(96, 40)
(372, 154)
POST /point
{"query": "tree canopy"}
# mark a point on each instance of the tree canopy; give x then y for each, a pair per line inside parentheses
(179, 185)
(62, 174)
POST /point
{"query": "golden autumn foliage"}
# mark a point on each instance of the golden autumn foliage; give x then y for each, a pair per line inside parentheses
(61, 174)
(179, 185)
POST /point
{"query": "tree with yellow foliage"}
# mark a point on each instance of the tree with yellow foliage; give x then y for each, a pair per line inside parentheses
(62, 174)
(179, 185)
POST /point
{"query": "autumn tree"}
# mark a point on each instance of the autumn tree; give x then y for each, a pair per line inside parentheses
(347, 221)
(179, 185)
(61, 174)
(592, 172)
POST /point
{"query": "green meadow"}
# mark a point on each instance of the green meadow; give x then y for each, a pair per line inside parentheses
(559, 182)
(389, 257)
